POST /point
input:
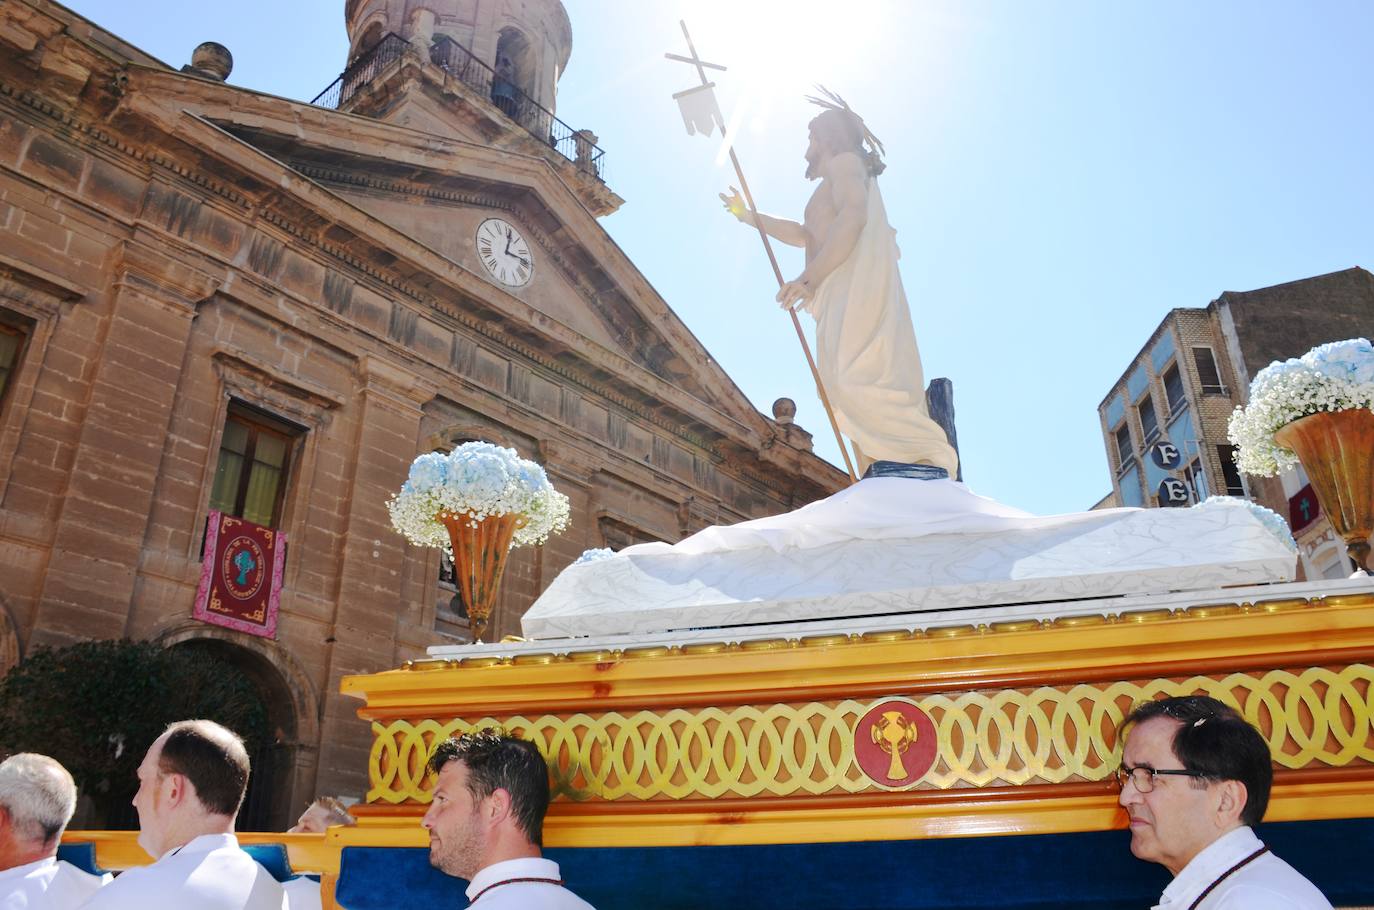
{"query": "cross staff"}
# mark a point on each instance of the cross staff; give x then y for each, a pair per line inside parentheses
(701, 113)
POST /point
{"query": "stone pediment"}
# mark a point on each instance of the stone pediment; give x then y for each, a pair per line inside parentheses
(608, 324)
(582, 279)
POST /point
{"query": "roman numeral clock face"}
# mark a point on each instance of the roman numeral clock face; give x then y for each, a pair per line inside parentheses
(504, 253)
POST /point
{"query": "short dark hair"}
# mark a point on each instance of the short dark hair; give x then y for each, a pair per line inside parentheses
(1216, 742)
(495, 761)
(212, 758)
(845, 132)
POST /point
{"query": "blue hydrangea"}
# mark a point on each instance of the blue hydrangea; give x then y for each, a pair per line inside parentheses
(1351, 360)
(1273, 522)
(428, 472)
(532, 476)
(478, 474)
(594, 555)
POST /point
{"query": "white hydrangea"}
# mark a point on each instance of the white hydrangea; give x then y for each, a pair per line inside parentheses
(1272, 521)
(1331, 377)
(481, 480)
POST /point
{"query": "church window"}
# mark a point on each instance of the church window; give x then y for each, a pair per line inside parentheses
(12, 340)
(254, 465)
(372, 36)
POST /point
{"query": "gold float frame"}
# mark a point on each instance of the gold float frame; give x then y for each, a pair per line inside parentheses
(1299, 668)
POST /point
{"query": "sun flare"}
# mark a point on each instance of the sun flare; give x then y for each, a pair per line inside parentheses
(783, 47)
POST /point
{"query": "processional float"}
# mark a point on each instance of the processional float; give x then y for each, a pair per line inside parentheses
(909, 696)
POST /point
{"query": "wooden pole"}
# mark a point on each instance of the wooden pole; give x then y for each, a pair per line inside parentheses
(773, 261)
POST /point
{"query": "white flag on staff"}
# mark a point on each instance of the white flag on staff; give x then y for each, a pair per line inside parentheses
(700, 113)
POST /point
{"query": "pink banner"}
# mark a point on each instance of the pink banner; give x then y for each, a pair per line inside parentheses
(240, 579)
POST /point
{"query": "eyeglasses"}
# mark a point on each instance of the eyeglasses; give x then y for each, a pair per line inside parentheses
(1144, 778)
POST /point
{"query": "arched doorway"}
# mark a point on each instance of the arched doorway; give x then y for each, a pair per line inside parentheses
(9, 639)
(283, 761)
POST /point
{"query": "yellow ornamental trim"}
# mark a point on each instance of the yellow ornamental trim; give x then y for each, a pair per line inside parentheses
(1315, 717)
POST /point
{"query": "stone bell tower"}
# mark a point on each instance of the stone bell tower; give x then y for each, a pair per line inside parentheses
(483, 71)
(525, 43)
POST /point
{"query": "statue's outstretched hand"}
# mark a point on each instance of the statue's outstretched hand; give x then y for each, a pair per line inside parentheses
(794, 292)
(734, 204)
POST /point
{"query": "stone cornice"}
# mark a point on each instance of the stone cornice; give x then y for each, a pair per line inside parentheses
(242, 362)
(140, 261)
(39, 279)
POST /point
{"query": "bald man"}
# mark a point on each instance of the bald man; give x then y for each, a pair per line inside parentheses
(190, 787)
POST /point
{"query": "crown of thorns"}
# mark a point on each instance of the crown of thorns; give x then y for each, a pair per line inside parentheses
(833, 102)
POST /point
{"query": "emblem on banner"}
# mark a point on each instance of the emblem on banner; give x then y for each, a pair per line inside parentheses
(895, 743)
(240, 577)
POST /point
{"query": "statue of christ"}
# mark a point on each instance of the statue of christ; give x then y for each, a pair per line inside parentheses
(867, 357)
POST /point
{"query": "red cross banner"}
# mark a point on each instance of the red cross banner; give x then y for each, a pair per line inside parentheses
(240, 579)
(1303, 509)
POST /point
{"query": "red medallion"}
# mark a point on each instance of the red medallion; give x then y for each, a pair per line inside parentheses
(895, 744)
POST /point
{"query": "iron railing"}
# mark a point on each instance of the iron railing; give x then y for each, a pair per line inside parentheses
(362, 71)
(459, 63)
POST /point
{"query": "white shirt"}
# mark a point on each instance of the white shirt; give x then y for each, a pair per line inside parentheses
(1266, 883)
(522, 895)
(209, 873)
(49, 884)
(302, 894)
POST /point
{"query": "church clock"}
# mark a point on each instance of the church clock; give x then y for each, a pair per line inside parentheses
(504, 252)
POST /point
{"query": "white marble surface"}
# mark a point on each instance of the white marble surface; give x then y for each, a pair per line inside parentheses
(919, 620)
(1008, 559)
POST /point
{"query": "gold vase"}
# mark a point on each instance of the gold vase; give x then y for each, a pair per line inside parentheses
(1336, 449)
(480, 548)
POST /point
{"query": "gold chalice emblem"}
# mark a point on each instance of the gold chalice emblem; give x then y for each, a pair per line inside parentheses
(894, 734)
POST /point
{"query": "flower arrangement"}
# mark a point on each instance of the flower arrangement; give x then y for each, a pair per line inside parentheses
(594, 555)
(477, 480)
(1273, 522)
(1331, 377)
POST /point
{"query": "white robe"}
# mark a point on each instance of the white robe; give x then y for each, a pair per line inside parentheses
(496, 887)
(302, 893)
(866, 352)
(48, 884)
(209, 873)
(1267, 883)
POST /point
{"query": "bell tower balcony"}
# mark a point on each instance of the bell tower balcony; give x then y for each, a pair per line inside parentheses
(447, 90)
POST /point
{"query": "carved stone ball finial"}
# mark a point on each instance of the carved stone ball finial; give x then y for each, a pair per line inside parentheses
(784, 411)
(212, 60)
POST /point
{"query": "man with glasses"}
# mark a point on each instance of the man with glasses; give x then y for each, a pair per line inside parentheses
(1194, 779)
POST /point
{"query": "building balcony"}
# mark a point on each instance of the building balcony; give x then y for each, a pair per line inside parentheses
(457, 62)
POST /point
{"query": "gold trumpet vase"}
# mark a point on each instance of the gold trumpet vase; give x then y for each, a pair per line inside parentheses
(480, 548)
(1336, 449)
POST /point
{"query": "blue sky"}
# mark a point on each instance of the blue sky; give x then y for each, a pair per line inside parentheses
(1060, 174)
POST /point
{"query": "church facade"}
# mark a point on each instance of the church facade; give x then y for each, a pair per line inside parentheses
(213, 299)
